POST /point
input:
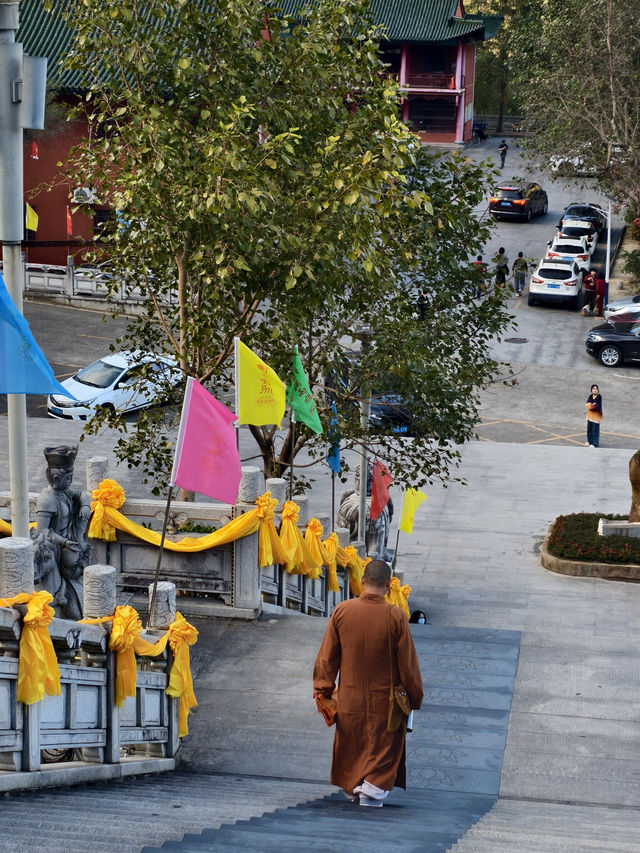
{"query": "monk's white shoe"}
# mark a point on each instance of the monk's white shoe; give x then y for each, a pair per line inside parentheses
(370, 802)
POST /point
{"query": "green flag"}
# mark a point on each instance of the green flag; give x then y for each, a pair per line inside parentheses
(299, 396)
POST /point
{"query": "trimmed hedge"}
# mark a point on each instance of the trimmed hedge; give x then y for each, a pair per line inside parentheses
(575, 537)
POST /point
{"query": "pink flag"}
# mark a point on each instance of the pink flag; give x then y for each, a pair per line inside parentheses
(207, 459)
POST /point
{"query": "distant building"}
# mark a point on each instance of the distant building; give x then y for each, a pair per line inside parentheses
(430, 48)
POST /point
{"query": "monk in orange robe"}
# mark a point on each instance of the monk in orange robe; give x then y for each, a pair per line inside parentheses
(368, 761)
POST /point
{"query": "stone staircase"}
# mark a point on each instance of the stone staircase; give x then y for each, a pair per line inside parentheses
(121, 817)
(524, 826)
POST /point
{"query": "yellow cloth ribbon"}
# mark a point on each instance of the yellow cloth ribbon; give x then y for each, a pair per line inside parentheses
(331, 545)
(5, 527)
(108, 494)
(312, 537)
(126, 642)
(38, 670)
(108, 517)
(399, 596)
(298, 558)
(270, 551)
(356, 569)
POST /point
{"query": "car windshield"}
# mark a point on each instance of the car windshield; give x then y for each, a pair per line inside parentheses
(578, 212)
(509, 193)
(569, 248)
(576, 231)
(549, 272)
(98, 375)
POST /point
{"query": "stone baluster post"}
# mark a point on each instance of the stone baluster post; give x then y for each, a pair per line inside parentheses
(164, 607)
(99, 599)
(278, 488)
(16, 566)
(96, 471)
(16, 576)
(251, 484)
(245, 583)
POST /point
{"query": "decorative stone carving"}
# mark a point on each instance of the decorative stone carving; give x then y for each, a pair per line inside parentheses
(251, 484)
(61, 547)
(278, 488)
(376, 532)
(99, 592)
(16, 566)
(96, 471)
(634, 478)
(164, 607)
(303, 503)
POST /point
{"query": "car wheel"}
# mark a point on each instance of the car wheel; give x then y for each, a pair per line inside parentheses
(528, 215)
(530, 300)
(109, 409)
(545, 208)
(610, 356)
(575, 301)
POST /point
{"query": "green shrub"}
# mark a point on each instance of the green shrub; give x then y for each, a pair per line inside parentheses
(575, 537)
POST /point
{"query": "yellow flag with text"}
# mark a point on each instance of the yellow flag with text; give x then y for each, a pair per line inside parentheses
(261, 393)
(410, 503)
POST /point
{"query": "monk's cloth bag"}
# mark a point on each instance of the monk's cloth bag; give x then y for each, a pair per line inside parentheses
(399, 705)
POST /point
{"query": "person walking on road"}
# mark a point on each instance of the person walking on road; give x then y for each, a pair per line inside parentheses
(481, 270)
(601, 289)
(594, 417)
(501, 267)
(502, 151)
(519, 269)
(367, 641)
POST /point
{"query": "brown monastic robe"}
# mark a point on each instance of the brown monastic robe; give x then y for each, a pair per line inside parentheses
(356, 644)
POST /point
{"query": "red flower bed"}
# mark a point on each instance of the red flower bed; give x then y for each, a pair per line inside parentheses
(575, 537)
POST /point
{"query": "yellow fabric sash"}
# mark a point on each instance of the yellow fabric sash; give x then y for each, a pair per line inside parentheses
(106, 519)
(270, 550)
(298, 558)
(399, 596)
(38, 670)
(331, 545)
(126, 642)
(355, 565)
(312, 537)
(5, 527)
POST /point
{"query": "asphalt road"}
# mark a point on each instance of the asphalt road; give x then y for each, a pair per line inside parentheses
(544, 348)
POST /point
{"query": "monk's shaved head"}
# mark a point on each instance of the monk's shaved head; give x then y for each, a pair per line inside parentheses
(377, 573)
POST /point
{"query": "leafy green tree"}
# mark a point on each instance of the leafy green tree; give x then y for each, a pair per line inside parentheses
(264, 187)
(578, 76)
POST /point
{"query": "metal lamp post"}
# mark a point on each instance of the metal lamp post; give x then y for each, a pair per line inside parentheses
(22, 96)
(364, 335)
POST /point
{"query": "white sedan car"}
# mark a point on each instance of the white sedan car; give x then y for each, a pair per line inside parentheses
(556, 280)
(123, 382)
(571, 249)
(580, 228)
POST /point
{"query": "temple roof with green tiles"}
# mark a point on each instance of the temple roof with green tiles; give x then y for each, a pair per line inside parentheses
(45, 33)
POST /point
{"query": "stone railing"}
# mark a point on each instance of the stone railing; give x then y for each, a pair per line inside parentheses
(81, 734)
(224, 580)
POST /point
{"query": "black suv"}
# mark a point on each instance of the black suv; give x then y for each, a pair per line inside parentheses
(586, 211)
(511, 202)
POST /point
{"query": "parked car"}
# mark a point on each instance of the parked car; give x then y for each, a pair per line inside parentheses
(123, 381)
(587, 212)
(556, 280)
(515, 202)
(630, 304)
(571, 249)
(580, 228)
(614, 343)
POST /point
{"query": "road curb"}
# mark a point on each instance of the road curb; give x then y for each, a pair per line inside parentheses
(575, 568)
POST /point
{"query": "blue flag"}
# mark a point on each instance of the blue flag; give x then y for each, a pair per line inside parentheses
(333, 456)
(23, 367)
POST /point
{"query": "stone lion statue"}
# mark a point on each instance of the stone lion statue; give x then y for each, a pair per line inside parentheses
(376, 532)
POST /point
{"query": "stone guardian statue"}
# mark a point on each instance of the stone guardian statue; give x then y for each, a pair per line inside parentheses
(61, 549)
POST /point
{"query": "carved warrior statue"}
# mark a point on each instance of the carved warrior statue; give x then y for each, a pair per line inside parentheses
(376, 532)
(634, 477)
(61, 549)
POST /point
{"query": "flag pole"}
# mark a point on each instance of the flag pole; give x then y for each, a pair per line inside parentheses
(395, 554)
(236, 373)
(333, 500)
(158, 564)
(293, 448)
